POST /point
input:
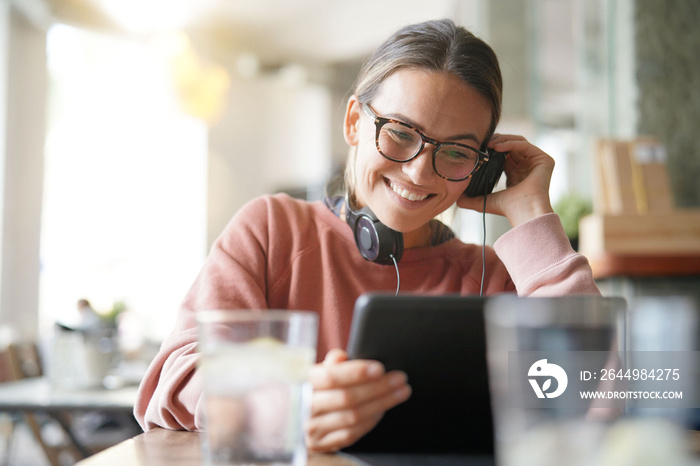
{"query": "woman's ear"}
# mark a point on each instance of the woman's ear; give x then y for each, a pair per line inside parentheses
(351, 124)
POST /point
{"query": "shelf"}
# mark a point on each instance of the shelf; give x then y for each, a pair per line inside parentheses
(644, 265)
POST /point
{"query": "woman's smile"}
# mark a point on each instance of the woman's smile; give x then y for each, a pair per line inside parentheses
(407, 192)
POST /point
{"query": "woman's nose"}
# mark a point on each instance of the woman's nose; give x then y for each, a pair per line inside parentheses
(420, 169)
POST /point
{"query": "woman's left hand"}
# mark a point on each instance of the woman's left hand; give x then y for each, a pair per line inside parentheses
(528, 171)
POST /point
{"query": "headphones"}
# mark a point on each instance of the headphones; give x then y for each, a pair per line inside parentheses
(485, 178)
(376, 241)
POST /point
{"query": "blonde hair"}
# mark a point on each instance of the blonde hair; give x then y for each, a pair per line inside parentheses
(434, 46)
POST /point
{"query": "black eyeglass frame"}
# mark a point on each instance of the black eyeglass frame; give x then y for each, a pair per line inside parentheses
(379, 122)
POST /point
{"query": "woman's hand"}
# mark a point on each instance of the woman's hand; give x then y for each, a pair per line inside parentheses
(528, 172)
(349, 399)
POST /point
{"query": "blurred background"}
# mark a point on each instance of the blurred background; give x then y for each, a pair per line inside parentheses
(132, 130)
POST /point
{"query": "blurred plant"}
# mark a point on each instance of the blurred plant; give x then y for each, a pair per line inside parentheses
(570, 208)
(111, 316)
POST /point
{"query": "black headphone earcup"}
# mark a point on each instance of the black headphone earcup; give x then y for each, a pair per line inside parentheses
(477, 184)
(375, 241)
(485, 178)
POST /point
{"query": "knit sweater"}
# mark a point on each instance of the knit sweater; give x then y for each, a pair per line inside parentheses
(281, 253)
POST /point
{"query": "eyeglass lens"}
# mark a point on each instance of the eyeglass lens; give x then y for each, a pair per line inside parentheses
(401, 143)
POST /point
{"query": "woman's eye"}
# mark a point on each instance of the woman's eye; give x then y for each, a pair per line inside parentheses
(400, 135)
(456, 155)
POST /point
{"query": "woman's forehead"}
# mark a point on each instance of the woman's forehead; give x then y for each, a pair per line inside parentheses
(438, 103)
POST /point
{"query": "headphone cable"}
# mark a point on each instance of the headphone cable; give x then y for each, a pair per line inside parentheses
(483, 244)
(398, 276)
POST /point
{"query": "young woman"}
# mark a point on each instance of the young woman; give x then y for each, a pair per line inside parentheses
(423, 112)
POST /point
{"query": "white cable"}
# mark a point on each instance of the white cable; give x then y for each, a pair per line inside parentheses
(398, 276)
(483, 249)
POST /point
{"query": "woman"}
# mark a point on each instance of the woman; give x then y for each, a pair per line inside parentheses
(429, 83)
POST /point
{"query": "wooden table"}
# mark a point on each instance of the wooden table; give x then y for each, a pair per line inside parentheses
(160, 447)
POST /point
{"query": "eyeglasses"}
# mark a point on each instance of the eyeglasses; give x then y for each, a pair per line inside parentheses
(401, 142)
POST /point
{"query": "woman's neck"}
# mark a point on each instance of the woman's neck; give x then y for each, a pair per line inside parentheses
(418, 238)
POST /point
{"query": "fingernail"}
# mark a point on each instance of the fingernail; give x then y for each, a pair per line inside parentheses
(397, 379)
(375, 369)
(402, 393)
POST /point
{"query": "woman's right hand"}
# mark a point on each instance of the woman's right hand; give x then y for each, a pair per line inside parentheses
(349, 399)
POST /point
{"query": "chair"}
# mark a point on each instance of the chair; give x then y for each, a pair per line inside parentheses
(23, 361)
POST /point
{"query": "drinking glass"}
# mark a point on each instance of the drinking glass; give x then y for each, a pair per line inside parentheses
(255, 366)
(540, 353)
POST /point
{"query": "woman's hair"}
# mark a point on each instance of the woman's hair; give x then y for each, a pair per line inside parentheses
(439, 46)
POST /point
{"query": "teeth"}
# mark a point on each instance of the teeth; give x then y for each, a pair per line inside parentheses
(406, 194)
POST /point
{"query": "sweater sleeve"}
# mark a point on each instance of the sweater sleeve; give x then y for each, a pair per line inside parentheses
(541, 262)
(233, 277)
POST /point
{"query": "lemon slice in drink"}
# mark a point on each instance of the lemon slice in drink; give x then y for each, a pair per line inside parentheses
(265, 342)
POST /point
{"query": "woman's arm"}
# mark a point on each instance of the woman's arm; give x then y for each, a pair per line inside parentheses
(233, 277)
(541, 262)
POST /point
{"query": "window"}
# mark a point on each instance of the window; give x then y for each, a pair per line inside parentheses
(124, 213)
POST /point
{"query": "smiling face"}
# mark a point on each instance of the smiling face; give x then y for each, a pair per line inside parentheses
(406, 196)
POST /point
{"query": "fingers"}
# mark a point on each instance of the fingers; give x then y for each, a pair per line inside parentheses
(517, 147)
(349, 399)
(498, 138)
(335, 356)
(475, 203)
(341, 398)
(335, 440)
(508, 143)
(359, 414)
(340, 428)
(329, 375)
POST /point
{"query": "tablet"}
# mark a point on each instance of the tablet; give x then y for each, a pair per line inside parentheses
(440, 342)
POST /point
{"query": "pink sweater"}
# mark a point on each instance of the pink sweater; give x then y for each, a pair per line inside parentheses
(281, 253)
